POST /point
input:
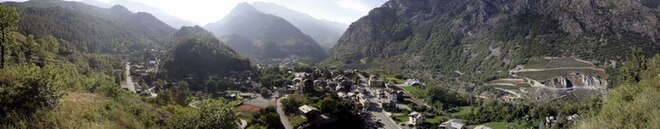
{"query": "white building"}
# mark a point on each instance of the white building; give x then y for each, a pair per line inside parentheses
(415, 118)
(453, 124)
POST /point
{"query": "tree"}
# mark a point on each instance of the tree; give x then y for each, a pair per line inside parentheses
(293, 101)
(212, 114)
(267, 118)
(28, 89)
(632, 68)
(264, 92)
(8, 23)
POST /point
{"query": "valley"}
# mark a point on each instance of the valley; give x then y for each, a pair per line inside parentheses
(402, 64)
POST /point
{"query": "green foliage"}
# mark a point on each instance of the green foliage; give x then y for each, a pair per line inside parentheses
(201, 58)
(634, 104)
(8, 23)
(267, 118)
(444, 98)
(176, 95)
(274, 77)
(293, 101)
(27, 89)
(210, 114)
(632, 68)
(92, 29)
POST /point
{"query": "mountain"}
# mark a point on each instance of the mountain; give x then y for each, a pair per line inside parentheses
(92, 29)
(139, 7)
(199, 54)
(326, 33)
(263, 36)
(442, 39)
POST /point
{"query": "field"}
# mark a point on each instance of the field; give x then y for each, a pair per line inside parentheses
(401, 119)
(416, 91)
(461, 111)
(567, 62)
(296, 120)
(556, 63)
(536, 64)
(437, 119)
(549, 74)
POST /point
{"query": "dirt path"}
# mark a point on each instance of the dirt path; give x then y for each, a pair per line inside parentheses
(517, 95)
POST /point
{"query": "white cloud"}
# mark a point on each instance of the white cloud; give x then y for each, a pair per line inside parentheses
(354, 5)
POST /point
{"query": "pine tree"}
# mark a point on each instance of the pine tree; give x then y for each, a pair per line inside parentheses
(8, 23)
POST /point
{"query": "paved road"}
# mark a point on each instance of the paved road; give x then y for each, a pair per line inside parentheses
(283, 118)
(380, 114)
(128, 83)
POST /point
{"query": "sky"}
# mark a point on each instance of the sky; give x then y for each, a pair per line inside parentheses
(207, 11)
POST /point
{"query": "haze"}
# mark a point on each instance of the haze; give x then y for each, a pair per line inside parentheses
(206, 11)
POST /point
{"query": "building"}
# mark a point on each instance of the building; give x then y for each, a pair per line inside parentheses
(453, 124)
(310, 113)
(394, 96)
(413, 82)
(416, 118)
(375, 82)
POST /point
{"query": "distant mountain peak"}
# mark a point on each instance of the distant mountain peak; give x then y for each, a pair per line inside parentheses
(244, 7)
(264, 36)
(120, 9)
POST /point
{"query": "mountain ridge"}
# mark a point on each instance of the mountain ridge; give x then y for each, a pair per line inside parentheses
(267, 34)
(90, 28)
(325, 32)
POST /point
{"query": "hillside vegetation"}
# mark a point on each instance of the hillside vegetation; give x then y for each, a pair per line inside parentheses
(200, 56)
(92, 29)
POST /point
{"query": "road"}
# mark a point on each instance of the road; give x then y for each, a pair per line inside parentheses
(379, 113)
(128, 83)
(283, 118)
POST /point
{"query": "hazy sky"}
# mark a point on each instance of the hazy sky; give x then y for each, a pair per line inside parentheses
(206, 11)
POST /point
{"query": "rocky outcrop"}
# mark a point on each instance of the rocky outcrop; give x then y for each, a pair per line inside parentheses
(577, 81)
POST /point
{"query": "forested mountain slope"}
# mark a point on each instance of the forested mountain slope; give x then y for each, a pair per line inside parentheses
(263, 36)
(481, 39)
(199, 54)
(92, 29)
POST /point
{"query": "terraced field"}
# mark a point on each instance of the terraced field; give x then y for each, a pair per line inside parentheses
(556, 63)
(549, 74)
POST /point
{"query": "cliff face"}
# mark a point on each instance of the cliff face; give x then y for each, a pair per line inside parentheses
(429, 37)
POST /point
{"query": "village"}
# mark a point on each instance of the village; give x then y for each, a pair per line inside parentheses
(382, 101)
(378, 103)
